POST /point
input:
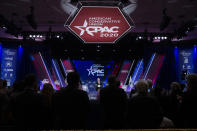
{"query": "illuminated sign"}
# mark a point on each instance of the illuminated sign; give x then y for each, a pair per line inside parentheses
(96, 69)
(99, 24)
(186, 60)
(8, 65)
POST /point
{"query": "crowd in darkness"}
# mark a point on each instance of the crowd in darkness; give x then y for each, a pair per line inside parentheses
(25, 107)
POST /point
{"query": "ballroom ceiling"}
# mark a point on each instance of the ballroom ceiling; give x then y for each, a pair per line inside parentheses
(147, 16)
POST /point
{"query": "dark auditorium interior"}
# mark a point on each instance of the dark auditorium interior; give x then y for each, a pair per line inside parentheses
(98, 65)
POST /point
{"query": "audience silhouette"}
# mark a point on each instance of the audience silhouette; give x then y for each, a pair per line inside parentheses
(4, 99)
(143, 110)
(188, 107)
(47, 110)
(24, 106)
(71, 105)
(114, 102)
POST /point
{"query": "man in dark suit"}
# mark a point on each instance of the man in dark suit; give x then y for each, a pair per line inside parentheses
(188, 110)
(27, 105)
(114, 102)
(71, 105)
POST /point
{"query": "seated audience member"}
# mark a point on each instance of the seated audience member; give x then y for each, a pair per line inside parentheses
(71, 105)
(143, 110)
(114, 102)
(46, 99)
(188, 110)
(27, 105)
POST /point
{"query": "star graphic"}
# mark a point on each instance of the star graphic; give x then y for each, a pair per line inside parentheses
(81, 28)
(90, 71)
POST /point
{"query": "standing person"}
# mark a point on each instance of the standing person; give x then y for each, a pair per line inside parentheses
(114, 102)
(174, 99)
(71, 105)
(46, 97)
(143, 110)
(98, 84)
(188, 107)
(17, 88)
(27, 105)
(4, 99)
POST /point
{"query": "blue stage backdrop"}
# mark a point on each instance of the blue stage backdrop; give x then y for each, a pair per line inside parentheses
(8, 65)
(91, 70)
(186, 60)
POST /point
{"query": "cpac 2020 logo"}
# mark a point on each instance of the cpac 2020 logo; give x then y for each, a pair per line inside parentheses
(99, 24)
(96, 69)
(95, 29)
